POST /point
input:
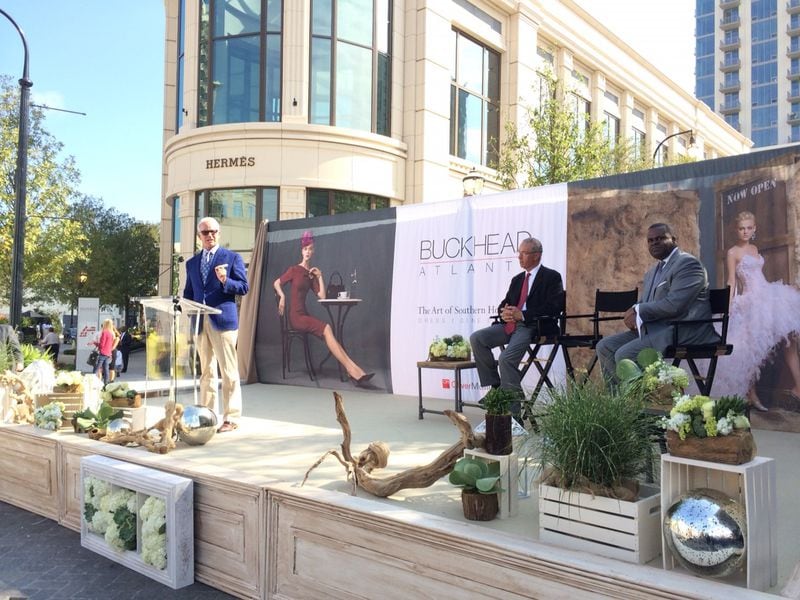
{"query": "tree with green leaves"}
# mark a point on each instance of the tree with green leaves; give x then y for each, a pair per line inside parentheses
(52, 241)
(67, 234)
(556, 146)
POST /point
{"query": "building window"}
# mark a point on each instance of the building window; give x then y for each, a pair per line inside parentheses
(239, 61)
(239, 211)
(611, 129)
(332, 202)
(638, 139)
(350, 64)
(581, 112)
(180, 67)
(474, 101)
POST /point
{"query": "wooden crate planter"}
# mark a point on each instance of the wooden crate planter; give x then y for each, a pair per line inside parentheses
(73, 402)
(177, 493)
(737, 448)
(754, 485)
(629, 531)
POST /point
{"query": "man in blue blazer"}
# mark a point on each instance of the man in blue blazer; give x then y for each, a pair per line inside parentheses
(215, 277)
(675, 289)
(536, 292)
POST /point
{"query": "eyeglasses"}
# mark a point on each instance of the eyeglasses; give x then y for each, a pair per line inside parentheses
(209, 232)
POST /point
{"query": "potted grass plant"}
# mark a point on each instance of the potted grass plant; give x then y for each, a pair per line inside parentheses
(595, 444)
(497, 404)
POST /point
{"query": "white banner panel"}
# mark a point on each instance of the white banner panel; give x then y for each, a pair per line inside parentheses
(87, 332)
(453, 263)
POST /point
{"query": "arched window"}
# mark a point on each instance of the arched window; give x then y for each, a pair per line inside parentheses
(239, 61)
(351, 63)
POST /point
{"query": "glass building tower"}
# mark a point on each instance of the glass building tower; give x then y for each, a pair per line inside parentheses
(748, 66)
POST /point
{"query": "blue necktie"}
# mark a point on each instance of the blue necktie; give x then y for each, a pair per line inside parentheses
(205, 265)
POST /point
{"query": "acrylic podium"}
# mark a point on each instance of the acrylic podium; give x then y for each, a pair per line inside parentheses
(171, 326)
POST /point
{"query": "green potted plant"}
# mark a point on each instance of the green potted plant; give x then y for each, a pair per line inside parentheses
(595, 444)
(95, 424)
(480, 483)
(497, 404)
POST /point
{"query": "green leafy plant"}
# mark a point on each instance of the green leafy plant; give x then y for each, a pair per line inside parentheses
(498, 401)
(474, 474)
(87, 419)
(659, 381)
(592, 434)
(31, 353)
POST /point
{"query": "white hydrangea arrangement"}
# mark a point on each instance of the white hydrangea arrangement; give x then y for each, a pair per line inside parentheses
(454, 347)
(154, 532)
(68, 381)
(49, 416)
(110, 512)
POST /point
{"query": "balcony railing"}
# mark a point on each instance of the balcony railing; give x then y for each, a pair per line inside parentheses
(730, 65)
(724, 4)
(793, 7)
(793, 51)
(729, 44)
(730, 23)
(793, 96)
(793, 73)
(730, 107)
(793, 29)
(730, 87)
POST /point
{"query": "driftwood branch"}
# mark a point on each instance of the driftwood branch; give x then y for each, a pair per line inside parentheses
(376, 455)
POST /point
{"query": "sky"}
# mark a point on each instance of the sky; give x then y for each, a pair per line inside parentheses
(106, 59)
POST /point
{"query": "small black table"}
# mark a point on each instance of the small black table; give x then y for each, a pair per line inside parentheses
(337, 324)
(453, 365)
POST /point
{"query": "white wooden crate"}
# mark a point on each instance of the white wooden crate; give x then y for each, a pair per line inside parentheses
(752, 484)
(508, 498)
(629, 531)
(178, 494)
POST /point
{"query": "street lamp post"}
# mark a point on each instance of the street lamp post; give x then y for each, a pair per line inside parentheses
(82, 279)
(20, 182)
(661, 143)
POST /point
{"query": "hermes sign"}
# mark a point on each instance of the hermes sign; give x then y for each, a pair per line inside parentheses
(234, 161)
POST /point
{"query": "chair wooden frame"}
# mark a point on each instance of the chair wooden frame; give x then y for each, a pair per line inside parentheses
(531, 356)
(608, 306)
(288, 334)
(720, 307)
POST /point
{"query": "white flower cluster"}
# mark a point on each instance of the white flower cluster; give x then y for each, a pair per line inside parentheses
(94, 490)
(101, 501)
(69, 378)
(108, 505)
(154, 535)
(49, 416)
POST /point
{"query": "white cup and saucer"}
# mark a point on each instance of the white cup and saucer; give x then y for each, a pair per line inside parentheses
(344, 295)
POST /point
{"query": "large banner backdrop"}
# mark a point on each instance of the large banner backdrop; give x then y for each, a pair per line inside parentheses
(439, 269)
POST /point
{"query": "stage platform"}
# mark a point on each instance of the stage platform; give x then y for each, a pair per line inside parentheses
(258, 534)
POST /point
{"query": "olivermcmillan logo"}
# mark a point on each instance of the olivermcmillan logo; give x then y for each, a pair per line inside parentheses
(450, 384)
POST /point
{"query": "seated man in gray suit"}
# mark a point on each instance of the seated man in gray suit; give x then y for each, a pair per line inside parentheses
(675, 289)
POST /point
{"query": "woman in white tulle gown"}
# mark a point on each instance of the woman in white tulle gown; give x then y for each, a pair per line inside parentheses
(763, 317)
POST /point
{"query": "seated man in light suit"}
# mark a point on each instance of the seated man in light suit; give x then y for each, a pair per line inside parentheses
(215, 277)
(675, 289)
